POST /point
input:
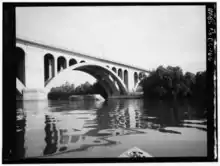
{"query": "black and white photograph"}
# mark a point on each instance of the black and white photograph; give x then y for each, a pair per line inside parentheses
(127, 82)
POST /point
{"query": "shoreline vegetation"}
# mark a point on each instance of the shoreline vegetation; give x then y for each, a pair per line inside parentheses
(170, 83)
(66, 90)
(164, 83)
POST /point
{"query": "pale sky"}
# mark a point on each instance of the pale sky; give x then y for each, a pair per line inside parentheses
(144, 36)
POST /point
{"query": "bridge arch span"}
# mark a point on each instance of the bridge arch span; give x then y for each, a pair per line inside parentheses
(101, 73)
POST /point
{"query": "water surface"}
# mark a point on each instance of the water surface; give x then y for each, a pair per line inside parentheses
(53, 128)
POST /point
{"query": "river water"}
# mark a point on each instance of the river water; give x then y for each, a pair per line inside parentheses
(107, 129)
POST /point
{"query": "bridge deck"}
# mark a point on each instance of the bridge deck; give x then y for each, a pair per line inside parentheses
(54, 48)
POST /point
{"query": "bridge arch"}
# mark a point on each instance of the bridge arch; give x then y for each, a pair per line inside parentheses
(114, 69)
(72, 61)
(126, 78)
(82, 61)
(20, 64)
(120, 73)
(49, 66)
(135, 78)
(101, 73)
(61, 63)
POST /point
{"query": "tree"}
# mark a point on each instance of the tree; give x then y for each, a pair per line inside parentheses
(171, 83)
(67, 89)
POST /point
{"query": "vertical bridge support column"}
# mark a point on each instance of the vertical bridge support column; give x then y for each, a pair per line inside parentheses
(55, 66)
(131, 84)
(34, 67)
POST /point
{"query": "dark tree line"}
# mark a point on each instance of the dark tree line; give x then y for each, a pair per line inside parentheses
(162, 83)
(171, 83)
(64, 91)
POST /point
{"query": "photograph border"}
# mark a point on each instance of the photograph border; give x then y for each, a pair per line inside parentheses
(9, 150)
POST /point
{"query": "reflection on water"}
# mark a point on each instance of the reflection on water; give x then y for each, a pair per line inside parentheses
(20, 131)
(52, 127)
(51, 135)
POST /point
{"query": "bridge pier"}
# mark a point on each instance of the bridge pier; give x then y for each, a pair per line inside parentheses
(34, 75)
(34, 94)
(131, 83)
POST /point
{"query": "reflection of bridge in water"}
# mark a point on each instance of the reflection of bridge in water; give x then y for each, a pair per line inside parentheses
(62, 137)
(62, 127)
(56, 129)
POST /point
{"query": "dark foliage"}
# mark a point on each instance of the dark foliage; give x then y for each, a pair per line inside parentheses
(64, 91)
(171, 83)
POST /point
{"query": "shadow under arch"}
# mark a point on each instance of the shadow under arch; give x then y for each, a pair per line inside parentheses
(101, 73)
(19, 86)
(20, 63)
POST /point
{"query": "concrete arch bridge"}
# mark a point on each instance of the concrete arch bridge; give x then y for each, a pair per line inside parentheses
(39, 65)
